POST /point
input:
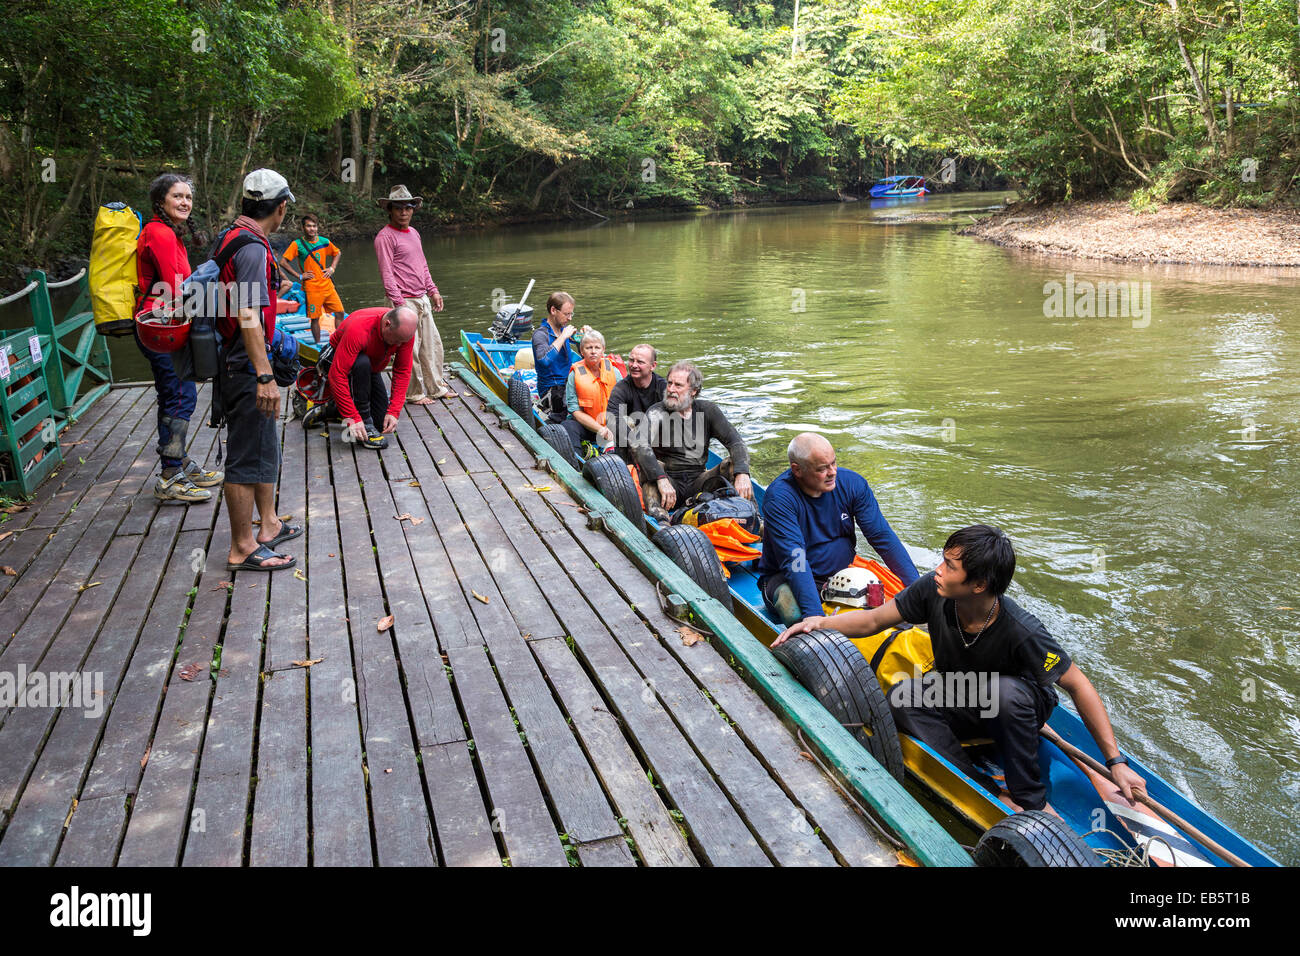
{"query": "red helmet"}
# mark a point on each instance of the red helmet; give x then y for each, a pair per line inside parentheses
(312, 385)
(160, 333)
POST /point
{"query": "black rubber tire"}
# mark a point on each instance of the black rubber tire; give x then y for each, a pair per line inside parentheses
(612, 479)
(1033, 838)
(520, 399)
(692, 551)
(832, 668)
(559, 439)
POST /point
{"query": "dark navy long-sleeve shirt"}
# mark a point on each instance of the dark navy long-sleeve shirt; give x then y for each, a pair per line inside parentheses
(812, 538)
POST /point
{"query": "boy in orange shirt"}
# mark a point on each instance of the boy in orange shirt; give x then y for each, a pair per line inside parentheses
(316, 277)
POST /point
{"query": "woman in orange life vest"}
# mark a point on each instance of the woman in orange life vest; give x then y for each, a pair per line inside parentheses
(586, 393)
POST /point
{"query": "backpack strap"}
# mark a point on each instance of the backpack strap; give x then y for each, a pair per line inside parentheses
(224, 255)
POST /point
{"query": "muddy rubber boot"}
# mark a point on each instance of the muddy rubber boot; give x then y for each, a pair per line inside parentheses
(176, 428)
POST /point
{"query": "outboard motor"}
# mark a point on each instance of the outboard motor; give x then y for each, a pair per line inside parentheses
(512, 323)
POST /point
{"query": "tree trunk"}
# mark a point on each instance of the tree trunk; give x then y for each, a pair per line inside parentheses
(372, 148)
(356, 147)
(555, 173)
(8, 152)
(336, 161)
(1202, 97)
(70, 202)
(232, 206)
(1228, 107)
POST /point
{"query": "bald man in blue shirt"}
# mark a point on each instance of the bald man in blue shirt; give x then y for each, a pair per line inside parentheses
(809, 513)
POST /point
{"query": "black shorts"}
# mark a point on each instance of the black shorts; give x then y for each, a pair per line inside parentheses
(253, 445)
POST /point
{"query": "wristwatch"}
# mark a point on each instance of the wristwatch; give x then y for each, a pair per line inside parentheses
(1114, 760)
(265, 379)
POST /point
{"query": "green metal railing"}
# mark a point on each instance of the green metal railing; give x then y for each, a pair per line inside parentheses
(49, 375)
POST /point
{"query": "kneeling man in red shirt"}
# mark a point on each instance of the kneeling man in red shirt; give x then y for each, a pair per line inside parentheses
(363, 346)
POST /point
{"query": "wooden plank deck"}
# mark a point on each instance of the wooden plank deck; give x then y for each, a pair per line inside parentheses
(530, 704)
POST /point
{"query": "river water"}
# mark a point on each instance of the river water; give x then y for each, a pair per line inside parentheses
(1142, 454)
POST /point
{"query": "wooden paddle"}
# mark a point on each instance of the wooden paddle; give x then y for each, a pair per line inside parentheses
(1169, 815)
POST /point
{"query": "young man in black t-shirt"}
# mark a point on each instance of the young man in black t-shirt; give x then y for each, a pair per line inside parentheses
(994, 665)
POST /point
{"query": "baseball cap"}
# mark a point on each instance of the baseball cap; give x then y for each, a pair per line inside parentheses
(267, 184)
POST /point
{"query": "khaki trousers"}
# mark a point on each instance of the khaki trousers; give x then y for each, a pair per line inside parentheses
(426, 358)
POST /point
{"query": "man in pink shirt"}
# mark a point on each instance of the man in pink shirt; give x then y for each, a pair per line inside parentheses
(405, 274)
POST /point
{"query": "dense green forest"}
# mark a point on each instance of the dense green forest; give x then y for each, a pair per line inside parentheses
(498, 110)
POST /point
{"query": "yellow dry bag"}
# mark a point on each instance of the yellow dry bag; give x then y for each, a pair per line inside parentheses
(112, 268)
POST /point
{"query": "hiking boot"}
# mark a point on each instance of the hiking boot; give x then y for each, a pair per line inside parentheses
(374, 438)
(204, 479)
(179, 488)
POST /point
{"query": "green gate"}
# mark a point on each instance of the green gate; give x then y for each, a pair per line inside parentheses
(42, 371)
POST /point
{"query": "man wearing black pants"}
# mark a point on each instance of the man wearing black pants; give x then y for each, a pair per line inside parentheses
(363, 346)
(994, 666)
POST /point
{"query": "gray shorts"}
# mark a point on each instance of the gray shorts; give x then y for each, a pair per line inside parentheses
(253, 445)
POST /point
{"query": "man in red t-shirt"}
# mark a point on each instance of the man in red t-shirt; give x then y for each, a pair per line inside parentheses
(363, 346)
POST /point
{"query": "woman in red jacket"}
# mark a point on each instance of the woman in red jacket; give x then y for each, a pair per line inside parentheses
(162, 264)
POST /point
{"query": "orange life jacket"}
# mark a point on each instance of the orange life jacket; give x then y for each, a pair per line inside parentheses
(593, 391)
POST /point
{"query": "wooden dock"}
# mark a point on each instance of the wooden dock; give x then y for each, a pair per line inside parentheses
(531, 703)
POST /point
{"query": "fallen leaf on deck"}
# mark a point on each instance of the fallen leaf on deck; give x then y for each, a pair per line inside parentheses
(314, 660)
(415, 484)
(145, 759)
(69, 444)
(50, 536)
(9, 571)
(87, 587)
(297, 573)
(481, 597)
(5, 535)
(805, 754)
(404, 516)
(905, 860)
(331, 554)
(690, 636)
(225, 586)
(534, 487)
(13, 509)
(190, 671)
(71, 810)
(388, 770)
(324, 434)
(417, 521)
(442, 461)
(384, 623)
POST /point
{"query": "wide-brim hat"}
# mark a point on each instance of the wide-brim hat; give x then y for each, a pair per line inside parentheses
(401, 194)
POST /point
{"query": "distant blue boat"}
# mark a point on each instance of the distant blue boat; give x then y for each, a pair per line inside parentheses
(892, 187)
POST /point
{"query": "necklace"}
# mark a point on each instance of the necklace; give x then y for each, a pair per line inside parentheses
(962, 631)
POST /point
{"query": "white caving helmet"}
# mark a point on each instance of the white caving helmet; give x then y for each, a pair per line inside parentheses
(850, 587)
